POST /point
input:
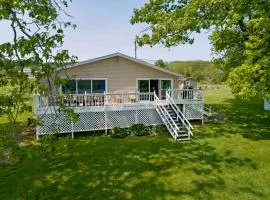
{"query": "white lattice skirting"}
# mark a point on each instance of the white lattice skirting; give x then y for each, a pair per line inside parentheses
(90, 121)
(193, 111)
(102, 120)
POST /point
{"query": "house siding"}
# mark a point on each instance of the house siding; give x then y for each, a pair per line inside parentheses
(120, 73)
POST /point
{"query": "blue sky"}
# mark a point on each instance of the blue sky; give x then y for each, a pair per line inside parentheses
(103, 27)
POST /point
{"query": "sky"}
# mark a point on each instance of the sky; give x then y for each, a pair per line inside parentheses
(103, 28)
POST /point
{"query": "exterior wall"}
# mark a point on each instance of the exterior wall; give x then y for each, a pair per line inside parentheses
(120, 73)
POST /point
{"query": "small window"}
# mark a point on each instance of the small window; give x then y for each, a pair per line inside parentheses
(69, 87)
(84, 86)
(99, 86)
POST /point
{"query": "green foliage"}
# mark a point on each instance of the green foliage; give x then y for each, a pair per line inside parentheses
(38, 35)
(161, 63)
(19, 153)
(48, 143)
(139, 130)
(118, 132)
(240, 36)
(203, 71)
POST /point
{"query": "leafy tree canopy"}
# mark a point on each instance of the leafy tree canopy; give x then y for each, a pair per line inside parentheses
(37, 29)
(161, 63)
(240, 36)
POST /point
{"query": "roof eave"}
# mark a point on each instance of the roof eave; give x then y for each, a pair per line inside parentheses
(126, 57)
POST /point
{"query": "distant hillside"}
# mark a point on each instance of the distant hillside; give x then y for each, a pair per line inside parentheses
(204, 71)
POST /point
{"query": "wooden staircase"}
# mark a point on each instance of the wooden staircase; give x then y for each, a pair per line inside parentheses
(175, 121)
(182, 133)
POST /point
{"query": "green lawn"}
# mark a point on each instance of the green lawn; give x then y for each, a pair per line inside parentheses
(225, 160)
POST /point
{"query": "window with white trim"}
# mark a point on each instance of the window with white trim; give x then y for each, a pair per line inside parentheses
(82, 86)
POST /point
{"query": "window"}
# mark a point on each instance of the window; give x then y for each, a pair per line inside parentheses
(98, 86)
(143, 85)
(166, 84)
(69, 87)
(82, 86)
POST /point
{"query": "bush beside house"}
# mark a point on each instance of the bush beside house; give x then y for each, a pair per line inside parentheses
(134, 130)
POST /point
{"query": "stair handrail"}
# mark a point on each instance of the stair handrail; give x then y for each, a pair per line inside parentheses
(173, 125)
(180, 114)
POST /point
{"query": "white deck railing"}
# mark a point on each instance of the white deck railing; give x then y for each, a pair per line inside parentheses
(94, 100)
(103, 99)
(186, 94)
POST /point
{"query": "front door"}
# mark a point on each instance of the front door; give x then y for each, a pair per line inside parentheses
(146, 86)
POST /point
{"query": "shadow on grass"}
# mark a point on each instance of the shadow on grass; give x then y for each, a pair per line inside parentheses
(145, 168)
(134, 168)
(246, 118)
(6, 129)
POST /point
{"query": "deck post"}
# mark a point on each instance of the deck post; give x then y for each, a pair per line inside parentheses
(105, 98)
(202, 115)
(106, 126)
(36, 103)
(105, 113)
(72, 130)
(136, 116)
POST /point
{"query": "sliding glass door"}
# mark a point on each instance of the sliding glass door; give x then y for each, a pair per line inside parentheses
(160, 86)
(165, 85)
(146, 86)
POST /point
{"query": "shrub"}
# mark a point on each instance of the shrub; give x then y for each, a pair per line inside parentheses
(157, 129)
(118, 132)
(139, 130)
(47, 143)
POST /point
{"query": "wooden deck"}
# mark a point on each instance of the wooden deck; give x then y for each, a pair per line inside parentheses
(107, 110)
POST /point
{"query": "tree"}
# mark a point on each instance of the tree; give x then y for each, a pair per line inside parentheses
(240, 36)
(161, 63)
(38, 34)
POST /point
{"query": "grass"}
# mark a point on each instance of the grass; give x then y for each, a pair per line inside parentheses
(6, 126)
(225, 160)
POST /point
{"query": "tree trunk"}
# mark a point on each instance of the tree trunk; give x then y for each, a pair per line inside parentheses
(14, 132)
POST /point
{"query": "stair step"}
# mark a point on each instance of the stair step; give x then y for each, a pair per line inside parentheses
(172, 120)
(179, 125)
(182, 132)
(183, 137)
